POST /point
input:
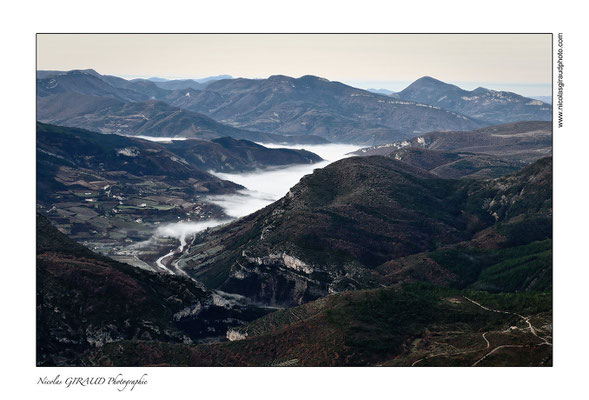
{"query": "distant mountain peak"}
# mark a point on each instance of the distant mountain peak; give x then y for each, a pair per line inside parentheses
(280, 78)
(428, 83)
(429, 79)
(480, 89)
(314, 78)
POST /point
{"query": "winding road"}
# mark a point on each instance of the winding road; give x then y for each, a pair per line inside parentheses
(160, 261)
(526, 319)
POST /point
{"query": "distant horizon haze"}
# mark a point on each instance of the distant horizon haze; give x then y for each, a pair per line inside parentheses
(520, 63)
(528, 90)
(524, 89)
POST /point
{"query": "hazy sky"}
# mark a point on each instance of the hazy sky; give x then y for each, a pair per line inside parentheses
(520, 63)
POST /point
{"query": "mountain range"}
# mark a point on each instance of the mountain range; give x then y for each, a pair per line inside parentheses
(316, 106)
(305, 107)
(147, 118)
(108, 104)
(138, 83)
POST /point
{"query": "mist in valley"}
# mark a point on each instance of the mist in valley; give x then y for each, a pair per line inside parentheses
(157, 139)
(182, 230)
(265, 186)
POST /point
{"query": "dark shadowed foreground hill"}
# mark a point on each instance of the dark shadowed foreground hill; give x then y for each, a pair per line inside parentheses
(342, 227)
(85, 300)
(413, 325)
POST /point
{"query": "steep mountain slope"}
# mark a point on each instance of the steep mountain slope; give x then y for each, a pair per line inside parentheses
(337, 226)
(312, 105)
(85, 300)
(513, 252)
(483, 104)
(149, 118)
(519, 142)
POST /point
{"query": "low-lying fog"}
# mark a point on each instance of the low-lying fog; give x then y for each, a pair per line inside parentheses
(268, 185)
(263, 187)
(158, 139)
(180, 230)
